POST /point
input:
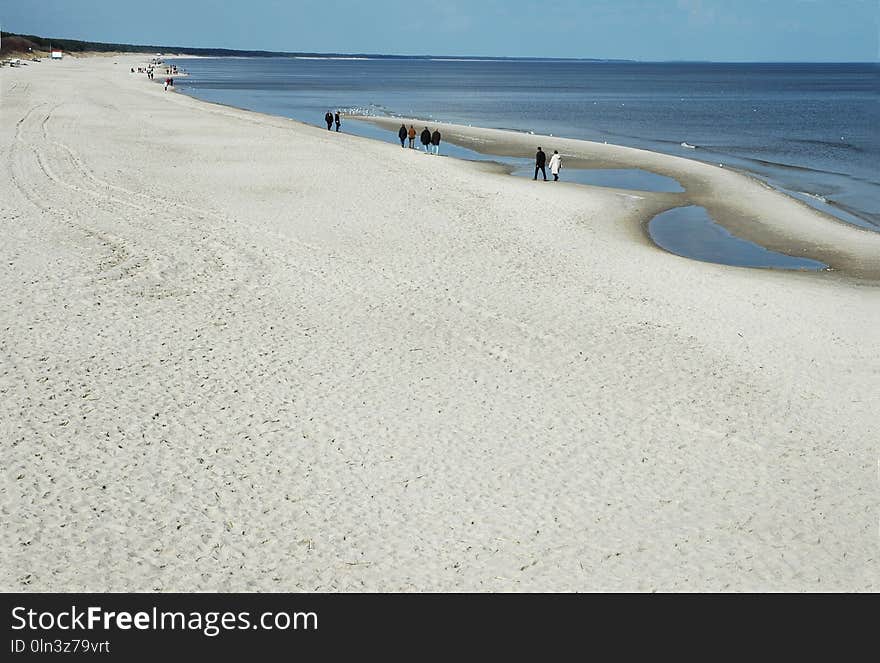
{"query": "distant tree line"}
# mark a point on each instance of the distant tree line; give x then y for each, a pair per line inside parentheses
(16, 43)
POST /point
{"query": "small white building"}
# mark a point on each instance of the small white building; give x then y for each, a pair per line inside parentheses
(57, 55)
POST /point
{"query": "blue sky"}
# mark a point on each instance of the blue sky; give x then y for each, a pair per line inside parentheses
(722, 30)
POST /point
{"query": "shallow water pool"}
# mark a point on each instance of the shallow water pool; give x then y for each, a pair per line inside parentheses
(634, 179)
(691, 232)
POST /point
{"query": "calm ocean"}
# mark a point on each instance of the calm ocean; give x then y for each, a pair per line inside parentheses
(807, 128)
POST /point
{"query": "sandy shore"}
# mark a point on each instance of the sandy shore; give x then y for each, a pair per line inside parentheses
(241, 353)
(744, 205)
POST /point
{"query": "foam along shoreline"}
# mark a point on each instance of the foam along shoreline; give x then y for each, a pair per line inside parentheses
(745, 206)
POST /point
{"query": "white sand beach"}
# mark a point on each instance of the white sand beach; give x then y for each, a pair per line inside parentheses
(239, 353)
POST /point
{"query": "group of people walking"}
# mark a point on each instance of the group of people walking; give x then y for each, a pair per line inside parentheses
(541, 164)
(430, 140)
(431, 143)
(145, 70)
(330, 118)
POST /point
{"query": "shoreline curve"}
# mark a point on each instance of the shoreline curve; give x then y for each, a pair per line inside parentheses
(737, 200)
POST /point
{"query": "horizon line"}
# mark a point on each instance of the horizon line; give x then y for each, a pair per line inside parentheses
(257, 52)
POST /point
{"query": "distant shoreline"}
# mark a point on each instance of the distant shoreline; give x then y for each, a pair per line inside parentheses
(79, 45)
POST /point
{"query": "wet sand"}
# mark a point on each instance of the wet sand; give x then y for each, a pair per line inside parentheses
(744, 205)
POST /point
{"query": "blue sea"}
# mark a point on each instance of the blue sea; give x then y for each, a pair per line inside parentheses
(810, 129)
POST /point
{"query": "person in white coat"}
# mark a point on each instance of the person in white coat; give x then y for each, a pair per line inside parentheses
(555, 165)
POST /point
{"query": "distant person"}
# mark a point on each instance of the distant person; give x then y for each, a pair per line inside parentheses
(540, 163)
(402, 134)
(412, 136)
(425, 137)
(328, 118)
(555, 165)
(435, 141)
(338, 120)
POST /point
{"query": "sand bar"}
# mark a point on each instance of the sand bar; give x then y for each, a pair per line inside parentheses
(242, 353)
(746, 206)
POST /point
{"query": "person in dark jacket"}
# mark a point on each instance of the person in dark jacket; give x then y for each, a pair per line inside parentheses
(402, 134)
(435, 141)
(541, 163)
(425, 137)
(328, 118)
(338, 120)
